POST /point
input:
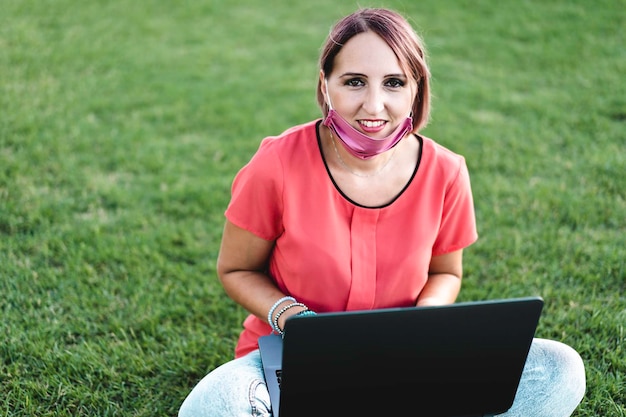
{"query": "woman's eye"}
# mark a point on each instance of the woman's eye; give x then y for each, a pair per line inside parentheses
(394, 83)
(355, 82)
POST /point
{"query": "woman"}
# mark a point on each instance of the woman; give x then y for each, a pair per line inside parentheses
(356, 211)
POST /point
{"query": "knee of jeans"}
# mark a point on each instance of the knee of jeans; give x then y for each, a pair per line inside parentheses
(568, 369)
(574, 371)
(207, 400)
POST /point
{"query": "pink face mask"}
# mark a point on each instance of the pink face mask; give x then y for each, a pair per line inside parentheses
(359, 144)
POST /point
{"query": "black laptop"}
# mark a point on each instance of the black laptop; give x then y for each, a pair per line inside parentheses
(460, 360)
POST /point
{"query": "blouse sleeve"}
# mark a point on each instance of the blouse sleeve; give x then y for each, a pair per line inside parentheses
(458, 224)
(257, 195)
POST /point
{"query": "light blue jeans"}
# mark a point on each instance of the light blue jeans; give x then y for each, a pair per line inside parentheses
(552, 385)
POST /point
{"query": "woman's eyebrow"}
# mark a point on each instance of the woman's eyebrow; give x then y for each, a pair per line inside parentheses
(352, 74)
(400, 75)
(358, 74)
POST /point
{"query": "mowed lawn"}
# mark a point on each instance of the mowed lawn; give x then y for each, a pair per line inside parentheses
(122, 125)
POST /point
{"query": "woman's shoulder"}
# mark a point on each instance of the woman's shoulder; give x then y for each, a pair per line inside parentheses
(434, 152)
(435, 147)
(276, 153)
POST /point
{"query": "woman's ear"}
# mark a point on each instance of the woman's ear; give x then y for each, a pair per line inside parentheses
(323, 85)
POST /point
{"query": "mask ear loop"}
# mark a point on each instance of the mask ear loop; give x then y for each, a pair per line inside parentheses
(330, 105)
(412, 101)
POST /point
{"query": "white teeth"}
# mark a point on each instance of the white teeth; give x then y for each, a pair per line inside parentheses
(368, 123)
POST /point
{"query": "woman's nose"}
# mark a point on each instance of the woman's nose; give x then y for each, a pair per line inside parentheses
(374, 101)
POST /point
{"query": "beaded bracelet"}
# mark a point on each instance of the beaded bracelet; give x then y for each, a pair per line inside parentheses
(280, 313)
(270, 314)
(306, 312)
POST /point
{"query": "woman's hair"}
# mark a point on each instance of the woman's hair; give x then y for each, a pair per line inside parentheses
(401, 38)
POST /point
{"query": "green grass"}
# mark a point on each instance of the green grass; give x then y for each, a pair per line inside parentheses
(122, 125)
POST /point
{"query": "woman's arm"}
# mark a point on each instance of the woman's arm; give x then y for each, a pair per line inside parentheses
(241, 266)
(444, 280)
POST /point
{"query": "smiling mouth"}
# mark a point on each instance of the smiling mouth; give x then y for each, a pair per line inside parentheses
(371, 124)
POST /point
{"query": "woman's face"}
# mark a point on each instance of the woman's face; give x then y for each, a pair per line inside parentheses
(368, 87)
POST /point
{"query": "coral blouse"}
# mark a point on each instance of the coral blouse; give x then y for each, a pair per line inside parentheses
(333, 254)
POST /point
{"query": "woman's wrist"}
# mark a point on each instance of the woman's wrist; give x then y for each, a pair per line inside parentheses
(292, 310)
(284, 308)
(272, 311)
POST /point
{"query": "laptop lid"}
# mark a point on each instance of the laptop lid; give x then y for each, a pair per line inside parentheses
(463, 359)
(271, 349)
